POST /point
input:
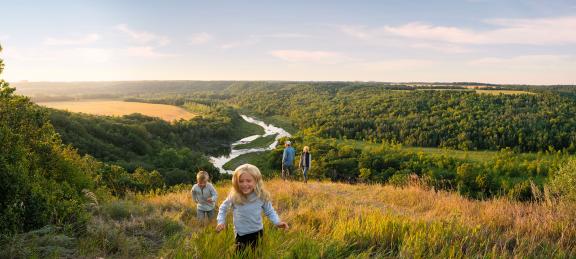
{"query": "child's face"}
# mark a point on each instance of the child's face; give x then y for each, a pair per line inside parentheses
(246, 183)
(202, 184)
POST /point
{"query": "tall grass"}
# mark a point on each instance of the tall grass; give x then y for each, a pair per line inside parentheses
(330, 220)
(327, 220)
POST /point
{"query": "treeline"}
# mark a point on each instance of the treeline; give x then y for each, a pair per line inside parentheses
(45, 182)
(177, 150)
(454, 119)
(507, 174)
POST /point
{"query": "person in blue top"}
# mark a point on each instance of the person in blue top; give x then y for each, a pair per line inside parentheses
(288, 160)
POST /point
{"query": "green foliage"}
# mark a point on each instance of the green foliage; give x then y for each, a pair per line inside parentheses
(563, 182)
(506, 173)
(261, 142)
(176, 151)
(454, 119)
(41, 180)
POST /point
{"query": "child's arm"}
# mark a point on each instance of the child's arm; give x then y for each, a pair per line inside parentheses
(271, 214)
(194, 197)
(214, 193)
(221, 218)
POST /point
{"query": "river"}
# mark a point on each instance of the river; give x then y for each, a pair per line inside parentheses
(268, 130)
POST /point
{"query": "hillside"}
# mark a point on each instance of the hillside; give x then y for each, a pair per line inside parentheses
(334, 220)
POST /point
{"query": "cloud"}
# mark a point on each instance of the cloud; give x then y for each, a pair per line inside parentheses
(199, 38)
(398, 64)
(242, 43)
(326, 57)
(527, 62)
(143, 37)
(90, 55)
(90, 38)
(441, 47)
(282, 36)
(360, 32)
(543, 31)
(93, 55)
(257, 38)
(86, 55)
(144, 52)
(29, 54)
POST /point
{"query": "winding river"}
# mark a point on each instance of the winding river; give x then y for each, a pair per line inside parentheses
(268, 130)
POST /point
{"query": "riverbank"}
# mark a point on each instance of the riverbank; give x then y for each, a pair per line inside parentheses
(238, 147)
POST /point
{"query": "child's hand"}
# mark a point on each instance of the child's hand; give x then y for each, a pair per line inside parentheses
(209, 200)
(283, 225)
(220, 227)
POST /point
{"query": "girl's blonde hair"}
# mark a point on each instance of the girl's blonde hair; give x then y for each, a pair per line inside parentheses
(306, 149)
(237, 196)
(202, 176)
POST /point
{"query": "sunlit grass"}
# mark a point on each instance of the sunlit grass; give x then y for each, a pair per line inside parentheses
(473, 155)
(335, 220)
(261, 142)
(119, 108)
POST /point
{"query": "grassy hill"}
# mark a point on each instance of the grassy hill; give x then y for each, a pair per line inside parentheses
(327, 220)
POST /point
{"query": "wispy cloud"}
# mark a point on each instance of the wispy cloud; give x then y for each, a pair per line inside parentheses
(543, 31)
(144, 52)
(258, 38)
(527, 61)
(242, 43)
(143, 37)
(199, 38)
(325, 57)
(282, 36)
(89, 55)
(397, 64)
(29, 54)
(90, 38)
(441, 47)
(86, 55)
(93, 55)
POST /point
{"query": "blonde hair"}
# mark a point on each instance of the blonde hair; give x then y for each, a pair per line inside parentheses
(202, 176)
(306, 149)
(237, 196)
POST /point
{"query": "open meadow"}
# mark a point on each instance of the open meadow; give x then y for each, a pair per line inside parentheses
(333, 220)
(120, 108)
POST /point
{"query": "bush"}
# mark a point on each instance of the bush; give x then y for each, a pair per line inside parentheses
(563, 182)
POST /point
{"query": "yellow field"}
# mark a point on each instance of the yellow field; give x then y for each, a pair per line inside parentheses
(335, 220)
(120, 108)
(497, 92)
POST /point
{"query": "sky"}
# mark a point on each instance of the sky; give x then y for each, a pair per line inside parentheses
(488, 41)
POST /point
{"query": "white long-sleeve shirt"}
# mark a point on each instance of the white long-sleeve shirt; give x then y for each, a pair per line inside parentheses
(201, 195)
(247, 217)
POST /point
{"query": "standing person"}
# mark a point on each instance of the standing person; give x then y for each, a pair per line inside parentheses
(305, 162)
(288, 160)
(248, 199)
(204, 194)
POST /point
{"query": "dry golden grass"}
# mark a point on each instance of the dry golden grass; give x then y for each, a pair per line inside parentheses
(334, 220)
(119, 108)
(410, 222)
(497, 92)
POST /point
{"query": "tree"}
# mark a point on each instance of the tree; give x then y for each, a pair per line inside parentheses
(41, 180)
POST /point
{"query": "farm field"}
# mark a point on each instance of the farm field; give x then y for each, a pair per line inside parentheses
(120, 108)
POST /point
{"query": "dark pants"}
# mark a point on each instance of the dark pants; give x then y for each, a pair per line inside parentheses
(287, 170)
(249, 240)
